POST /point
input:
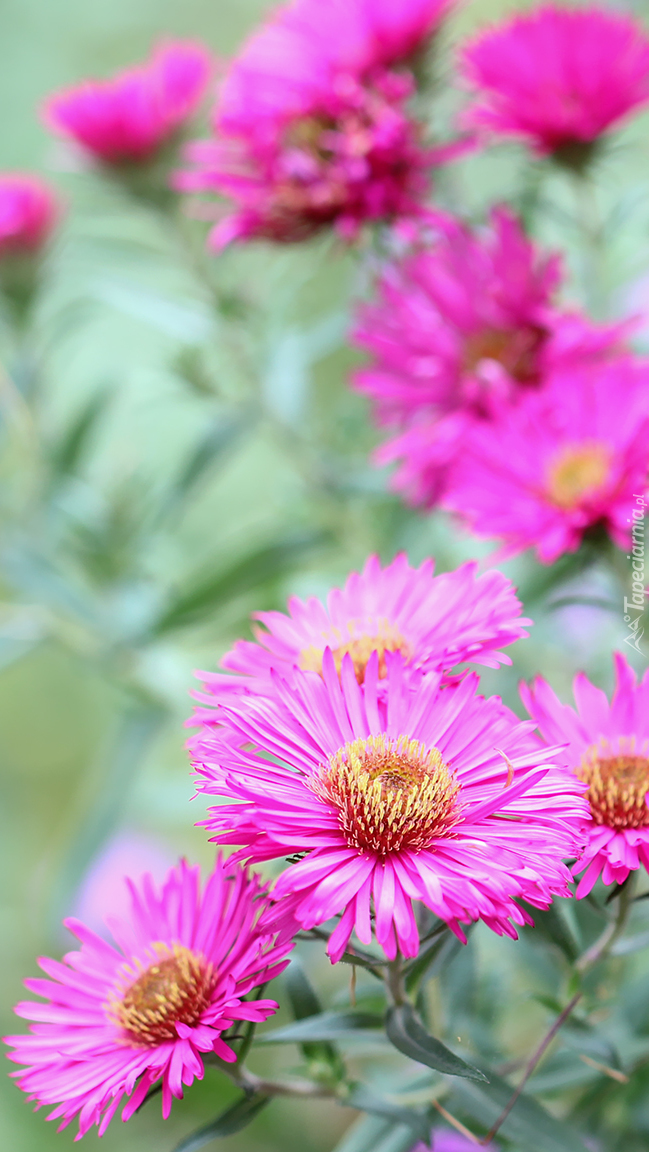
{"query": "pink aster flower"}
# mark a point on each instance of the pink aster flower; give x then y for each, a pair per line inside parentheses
(467, 323)
(566, 460)
(435, 622)
(608, 750)
(28, 213)
(127, 118)
(558, 77)
(117, 1019)
(420, 792)
(444, 1140)
(312, 127)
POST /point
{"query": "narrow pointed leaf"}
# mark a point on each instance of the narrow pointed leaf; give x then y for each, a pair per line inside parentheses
(365, 1100)
(305, 1004)
(528, 1125)
(407, 1033)
(325, 1026)
(232, 1120)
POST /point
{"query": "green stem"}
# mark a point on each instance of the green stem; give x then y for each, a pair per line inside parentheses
(602, 946)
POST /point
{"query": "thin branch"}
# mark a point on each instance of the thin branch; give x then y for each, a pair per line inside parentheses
(614, 1073)
(531, 1065)
(457, 1124)
(614, 928)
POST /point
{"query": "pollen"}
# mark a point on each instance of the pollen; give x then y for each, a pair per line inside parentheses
(390, 794)
(384, 638)
(577, 473)
(617, 786)
(175, 988)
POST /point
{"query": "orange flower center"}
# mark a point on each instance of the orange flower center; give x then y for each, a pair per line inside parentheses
(617, 787)
(577, 473)
(516, 349)
(360, 648)
(175, 988)
(390, 794)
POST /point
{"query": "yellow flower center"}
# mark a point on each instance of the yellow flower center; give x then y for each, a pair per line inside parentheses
(175, 988)
(360, 648)
(577, 473)
(390, 794)
(617, 787)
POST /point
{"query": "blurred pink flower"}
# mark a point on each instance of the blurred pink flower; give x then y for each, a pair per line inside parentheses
(312, 128)
(28, 212)
(145, 1010)
(461, 327)
(105, 887)
(608, 750)
(565, 460)
(557, 77)
(128, 117)
(435, 622)
(445, 1140)
(391, 796)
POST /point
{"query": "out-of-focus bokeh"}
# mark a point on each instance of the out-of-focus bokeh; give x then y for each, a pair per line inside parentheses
(191, 464)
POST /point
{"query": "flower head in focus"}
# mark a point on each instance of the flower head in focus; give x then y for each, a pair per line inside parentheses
(558, 78)
(608, 750)
(563, 462)
(419, 792)
(312, 127)
(466, 324)
(28, 212)
(127, 118)
(119, 1018)
(435, 622)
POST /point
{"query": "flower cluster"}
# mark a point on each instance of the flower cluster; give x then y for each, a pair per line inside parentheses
(343, 742)
(120, 1018)
(464, 328)
(312, 126)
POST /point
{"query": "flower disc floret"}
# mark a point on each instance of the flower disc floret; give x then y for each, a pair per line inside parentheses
(618, 783)
(389, 794)
(175, 988)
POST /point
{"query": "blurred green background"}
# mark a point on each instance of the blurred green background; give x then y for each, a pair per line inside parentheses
(188, 452)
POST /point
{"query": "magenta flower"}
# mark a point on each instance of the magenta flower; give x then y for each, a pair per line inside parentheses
(312, 127)
(445, 1140)
(127, 118)
(435, 622)
(28, 213)
(557, 77)
(461, 327)
(566, 460)
(608, 750)
(419, 792)
(118, 1019)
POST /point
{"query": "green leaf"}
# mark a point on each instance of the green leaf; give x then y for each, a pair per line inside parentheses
(216, 589)
(67, 454)
(407, 1034)
(232, 1120)
(305, 1004)
(325, 1026)
(365, 1100)
(433, 956)
(528, 1124)
(374, 1134)
(552, 923)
